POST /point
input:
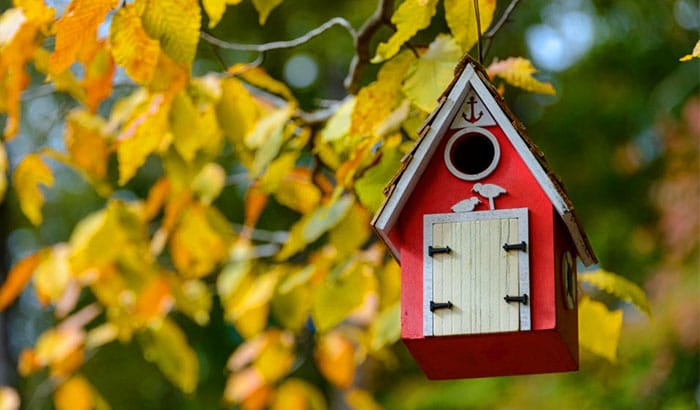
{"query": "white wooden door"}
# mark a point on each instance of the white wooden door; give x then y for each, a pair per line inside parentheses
(475, 265)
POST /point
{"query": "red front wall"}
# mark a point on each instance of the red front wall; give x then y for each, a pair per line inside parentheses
(438, 190)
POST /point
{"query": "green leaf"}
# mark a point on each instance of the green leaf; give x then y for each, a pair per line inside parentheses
(618, 286)
(386, 328)
(166, 345)
(599, 328)
(411, 17)
(311, 226)
(370, 186)
(428, 77)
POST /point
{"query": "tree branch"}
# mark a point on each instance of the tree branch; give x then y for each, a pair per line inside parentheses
(499, 24)
(277, 45)
(380, 17)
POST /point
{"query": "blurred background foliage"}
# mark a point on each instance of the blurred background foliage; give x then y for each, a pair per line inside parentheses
(622, 131)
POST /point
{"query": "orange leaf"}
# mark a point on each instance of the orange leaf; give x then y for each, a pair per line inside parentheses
(156, 198)
(255, 201)
(131, 47)
(155, 300)
(86, 142)
(335, 356)
(17, 279)
(99, 70)
(74, 394)
(75, 30)
(243, 384)
(18, 40)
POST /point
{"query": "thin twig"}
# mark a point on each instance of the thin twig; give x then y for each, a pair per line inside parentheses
(277, 45)
(380, 17)
(499, 24)
(478, 32)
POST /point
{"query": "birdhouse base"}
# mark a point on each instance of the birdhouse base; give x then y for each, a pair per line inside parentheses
(493, 354)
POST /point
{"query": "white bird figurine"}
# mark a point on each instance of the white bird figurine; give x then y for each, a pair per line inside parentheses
(489, 191)
(466, 205)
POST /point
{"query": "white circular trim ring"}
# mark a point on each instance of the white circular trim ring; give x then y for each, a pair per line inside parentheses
(472, 177)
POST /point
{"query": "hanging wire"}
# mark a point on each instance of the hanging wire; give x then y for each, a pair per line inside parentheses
(478, 29)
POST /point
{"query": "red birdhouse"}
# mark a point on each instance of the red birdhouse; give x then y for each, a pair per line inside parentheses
(487, 240)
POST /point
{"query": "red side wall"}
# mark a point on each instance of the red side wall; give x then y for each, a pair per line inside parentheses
(438, 190)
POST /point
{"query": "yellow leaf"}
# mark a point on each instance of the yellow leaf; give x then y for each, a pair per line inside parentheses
(361, 400)
(338, 126)
(201, 241)
(114, 234)
(195, 128)
(296, 394)
(53, 274)
(411, 17)
(599, 328)
(518, 71)
(131, 47)
(248, 304)
(58, 344)
(258, 77)
(291, 304)
(209, 182)
(335, 357)
(461, 19)
(3, 171)
(267, 138)
(238, 114)
(264, 8)
(36, 11)
(17, 279)
(86, 142)
(74, 394)
(9, 399)
(276, 357)
(694, 54)
(215, 9)
(165, 344)
(75, 30)
(193, 298)
(352, 231)
(29, 173)
(339, 295)
(429, 76)
(64, 81)
(143, 134)
(375, 102)
(176, 24)
(618, 286)
(298, 192)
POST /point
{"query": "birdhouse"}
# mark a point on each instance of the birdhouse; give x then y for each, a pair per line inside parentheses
(487, 240)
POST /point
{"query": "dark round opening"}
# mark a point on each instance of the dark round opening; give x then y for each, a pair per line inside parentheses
(472, 154)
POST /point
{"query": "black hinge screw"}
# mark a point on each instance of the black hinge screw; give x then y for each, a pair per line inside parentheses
(432, 251)
(435, 306)
(522, 246)
(520, 299)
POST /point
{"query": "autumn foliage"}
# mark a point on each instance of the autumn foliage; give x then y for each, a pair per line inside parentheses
(136, 269)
